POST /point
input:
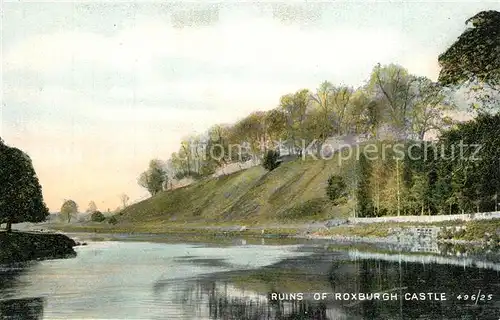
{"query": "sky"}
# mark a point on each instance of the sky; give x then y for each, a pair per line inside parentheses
(93, 90)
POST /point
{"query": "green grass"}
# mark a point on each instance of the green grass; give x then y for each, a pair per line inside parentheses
(295, 191)
(378, 230)
(478, 230)
(172, 229)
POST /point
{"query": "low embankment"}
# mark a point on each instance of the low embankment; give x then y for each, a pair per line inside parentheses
(24, 246)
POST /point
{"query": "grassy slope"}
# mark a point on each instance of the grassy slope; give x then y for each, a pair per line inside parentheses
(295, 191)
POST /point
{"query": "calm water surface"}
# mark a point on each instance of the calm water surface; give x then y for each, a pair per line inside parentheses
(161, 280)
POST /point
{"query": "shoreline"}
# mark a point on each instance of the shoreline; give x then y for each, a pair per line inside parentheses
(296, 231)
(20, 246)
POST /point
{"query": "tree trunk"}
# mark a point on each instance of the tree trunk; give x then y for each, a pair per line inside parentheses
(8, 227)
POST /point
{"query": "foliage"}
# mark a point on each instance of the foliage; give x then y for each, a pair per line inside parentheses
(394, 107)
(276, 122)
(454, 175)
(97, 216)
(473, 60)
(270, 161)
(404, 105)
(363, 196)
(112, 220)
(336, 190)
(68, 210)
(476, 53)
(92, 207)
(154, 178)
(469, 166)
(21, 197)
(473, 230)
(295, 106)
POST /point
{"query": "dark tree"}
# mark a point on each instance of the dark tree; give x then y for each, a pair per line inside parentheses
(112, 220)
(271, 160)
(336, 190)
(154, 178)
(21, 198)
(465, 175)
(364, 201)
(97, 217)
(476, 53)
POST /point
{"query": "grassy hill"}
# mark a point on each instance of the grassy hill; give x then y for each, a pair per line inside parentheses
(295, 191)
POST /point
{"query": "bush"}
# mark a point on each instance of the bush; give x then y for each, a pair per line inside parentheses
(271, 160)
(336, 189)
(97, 217)
(112, 220)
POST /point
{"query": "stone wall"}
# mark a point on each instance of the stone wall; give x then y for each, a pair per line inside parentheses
(429, 219)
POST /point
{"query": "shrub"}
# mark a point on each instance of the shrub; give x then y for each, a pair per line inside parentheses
(336, 190)
(270, 161)
(112, 220)
(97, 217)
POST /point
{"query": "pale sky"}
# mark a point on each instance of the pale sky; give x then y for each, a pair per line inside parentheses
(92, 91)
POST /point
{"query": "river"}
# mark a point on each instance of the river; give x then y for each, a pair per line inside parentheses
(136, 278)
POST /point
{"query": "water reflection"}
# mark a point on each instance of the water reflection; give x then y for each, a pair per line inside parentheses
(247, 295)
(142, 280)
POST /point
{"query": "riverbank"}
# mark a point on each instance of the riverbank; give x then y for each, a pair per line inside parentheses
(25, 246)
(471, 233)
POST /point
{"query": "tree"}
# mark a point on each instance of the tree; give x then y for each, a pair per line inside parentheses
(471, 168)
(92, 207)
(124, 199)
(219, 151)
(271, 160)
(392, 85)
(336, 189)
(154, 178)
(97, 216)
(295, 106)
(363, 196)
(429, 108)
(417, 194)
(325, 120)
(377, 179)
(364, 114)
(476, 53)
(112, 220)
(276, 124)
(21, 198)
(252, 130)
(69, 209)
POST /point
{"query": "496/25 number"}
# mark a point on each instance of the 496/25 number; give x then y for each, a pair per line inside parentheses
(474, 297)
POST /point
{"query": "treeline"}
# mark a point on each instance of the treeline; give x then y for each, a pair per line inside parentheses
(392, 107)
(391, 101)
(459, 173)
